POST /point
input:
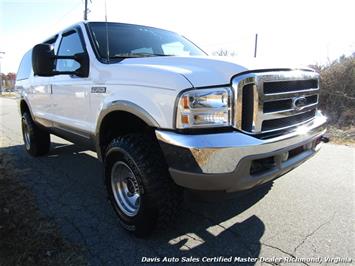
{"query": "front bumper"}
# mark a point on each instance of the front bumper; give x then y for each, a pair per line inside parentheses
(235, 161)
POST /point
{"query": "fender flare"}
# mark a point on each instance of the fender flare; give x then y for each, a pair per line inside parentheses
(125, 106)
(26, 101)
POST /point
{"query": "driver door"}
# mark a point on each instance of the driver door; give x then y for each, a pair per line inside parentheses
(70, 93)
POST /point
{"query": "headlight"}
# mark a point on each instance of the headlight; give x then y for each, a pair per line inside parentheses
(204, 108)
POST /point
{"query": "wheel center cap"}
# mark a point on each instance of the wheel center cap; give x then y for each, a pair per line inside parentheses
(130, 186)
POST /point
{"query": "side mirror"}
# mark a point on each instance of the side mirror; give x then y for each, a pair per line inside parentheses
(83, 60)
(43, 60)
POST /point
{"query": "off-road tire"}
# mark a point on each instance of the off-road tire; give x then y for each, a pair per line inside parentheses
(38, 140)
(160, 197)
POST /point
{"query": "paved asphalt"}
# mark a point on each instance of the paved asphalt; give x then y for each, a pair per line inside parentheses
(307, 213)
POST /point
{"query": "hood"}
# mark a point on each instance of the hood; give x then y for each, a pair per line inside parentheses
(203, 71)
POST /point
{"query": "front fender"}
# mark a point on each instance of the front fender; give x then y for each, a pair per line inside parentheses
(126, 106)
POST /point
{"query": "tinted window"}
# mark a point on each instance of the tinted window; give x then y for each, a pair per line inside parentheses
(25, 68)
(70, 45)
(138, 41)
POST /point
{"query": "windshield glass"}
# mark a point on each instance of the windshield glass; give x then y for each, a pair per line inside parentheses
(125, 40)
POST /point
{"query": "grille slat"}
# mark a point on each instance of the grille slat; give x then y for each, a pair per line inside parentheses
(289, 95)
(286, 105)
(289, 86)
(279, 100)
(282, 123)
(288, 113)
(248, 107)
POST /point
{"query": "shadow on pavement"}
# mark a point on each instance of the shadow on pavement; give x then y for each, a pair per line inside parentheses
(69, 188)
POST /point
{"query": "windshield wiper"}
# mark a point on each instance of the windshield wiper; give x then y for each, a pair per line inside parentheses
(135, 55)
(162, 54)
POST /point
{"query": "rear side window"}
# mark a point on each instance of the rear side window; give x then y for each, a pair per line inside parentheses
(25, 68)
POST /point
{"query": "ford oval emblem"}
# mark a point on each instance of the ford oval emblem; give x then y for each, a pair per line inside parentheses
(299, 103)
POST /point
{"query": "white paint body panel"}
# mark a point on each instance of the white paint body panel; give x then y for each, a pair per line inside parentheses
(38, 93)
(152, 83)
(70, 102)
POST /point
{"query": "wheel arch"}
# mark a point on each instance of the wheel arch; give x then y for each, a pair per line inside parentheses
(24, 106)
(131, 118)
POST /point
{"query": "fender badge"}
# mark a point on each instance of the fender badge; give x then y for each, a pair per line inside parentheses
(98, 89)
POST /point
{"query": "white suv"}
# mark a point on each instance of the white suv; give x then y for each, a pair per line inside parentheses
(162, 115)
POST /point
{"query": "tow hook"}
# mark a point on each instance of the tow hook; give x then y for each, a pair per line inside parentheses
(324, 139)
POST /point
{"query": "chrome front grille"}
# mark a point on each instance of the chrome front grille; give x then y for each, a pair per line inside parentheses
(274, 101)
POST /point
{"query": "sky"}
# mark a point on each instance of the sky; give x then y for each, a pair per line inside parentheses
(289, 31)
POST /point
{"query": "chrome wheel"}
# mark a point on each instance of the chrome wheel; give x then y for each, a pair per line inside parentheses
(26, 135)
(125, 188)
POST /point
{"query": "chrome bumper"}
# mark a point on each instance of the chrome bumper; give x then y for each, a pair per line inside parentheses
(223, 161)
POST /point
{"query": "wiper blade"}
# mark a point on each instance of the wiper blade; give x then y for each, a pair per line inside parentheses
(162, 55)
(123, 56)
(150, 54)
(135, 55)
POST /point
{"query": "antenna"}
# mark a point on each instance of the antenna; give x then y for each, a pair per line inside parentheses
(107, 43)
(86, 10)
(256, 44)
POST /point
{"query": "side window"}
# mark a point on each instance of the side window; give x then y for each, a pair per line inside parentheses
(70, 45)
(25, 68)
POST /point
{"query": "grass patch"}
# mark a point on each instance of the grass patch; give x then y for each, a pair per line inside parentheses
(26, 238)
(345, 135)
(10, 95)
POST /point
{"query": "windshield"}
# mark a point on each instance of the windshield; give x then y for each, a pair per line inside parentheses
(127, 40)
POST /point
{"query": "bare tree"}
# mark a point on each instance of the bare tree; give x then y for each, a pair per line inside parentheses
(224, 52)
(337, 95)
